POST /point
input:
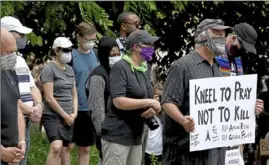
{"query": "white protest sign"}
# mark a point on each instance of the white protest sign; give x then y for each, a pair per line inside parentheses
(223, 109)
(233, 157)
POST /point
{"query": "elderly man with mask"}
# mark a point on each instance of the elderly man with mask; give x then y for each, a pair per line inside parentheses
(12, 121)
(199, 63)
(241, 42)
(30, 97)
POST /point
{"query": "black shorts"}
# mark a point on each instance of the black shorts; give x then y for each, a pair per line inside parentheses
(84, 133)
(57, 130)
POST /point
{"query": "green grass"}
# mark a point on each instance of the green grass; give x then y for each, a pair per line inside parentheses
(40, 147)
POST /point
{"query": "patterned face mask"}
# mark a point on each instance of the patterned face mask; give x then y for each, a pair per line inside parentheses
(8, 62)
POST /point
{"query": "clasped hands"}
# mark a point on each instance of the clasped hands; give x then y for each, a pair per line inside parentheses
(13, 155)
(154, 108)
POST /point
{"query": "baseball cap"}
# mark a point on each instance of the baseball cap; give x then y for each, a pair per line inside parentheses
(62, 42)
(140, 36)
(206, 24)
(13, 24)
(247, 35)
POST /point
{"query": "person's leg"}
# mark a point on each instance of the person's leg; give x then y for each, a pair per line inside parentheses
(84, 136)
(144, 142)
(54, 156)
(115, 154)
(66, 154)
(27, 140)
(135, 155)
(84, 155)
(147, 159)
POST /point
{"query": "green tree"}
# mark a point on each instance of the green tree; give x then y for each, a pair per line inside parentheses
(173, 21)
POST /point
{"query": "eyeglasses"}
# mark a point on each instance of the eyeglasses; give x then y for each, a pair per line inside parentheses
(90, 39)
(66, 50)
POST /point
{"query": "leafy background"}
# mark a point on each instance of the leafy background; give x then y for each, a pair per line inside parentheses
(174, 21)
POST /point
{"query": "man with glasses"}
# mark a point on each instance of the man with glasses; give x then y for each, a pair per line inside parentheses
(84, 60)
(128, 22)
(30, 96)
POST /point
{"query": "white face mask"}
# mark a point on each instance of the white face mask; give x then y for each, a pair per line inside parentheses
(88, 45)
(113, 60)
(65, 57)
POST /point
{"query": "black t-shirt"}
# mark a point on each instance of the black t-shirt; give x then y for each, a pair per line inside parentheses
(9, 110)
(121, 126)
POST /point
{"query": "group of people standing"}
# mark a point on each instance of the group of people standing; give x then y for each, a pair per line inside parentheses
(107, 96)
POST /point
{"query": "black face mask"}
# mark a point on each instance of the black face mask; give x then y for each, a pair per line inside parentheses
(234, 51)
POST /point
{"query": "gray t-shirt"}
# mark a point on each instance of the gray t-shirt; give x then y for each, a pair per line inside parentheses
(63, 82)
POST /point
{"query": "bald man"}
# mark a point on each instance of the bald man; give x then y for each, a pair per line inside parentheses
(12, 120)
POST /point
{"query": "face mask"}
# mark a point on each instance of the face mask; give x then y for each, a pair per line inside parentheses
(113, 60)
(8, 62)
(88, 45)
(217, 45)
(65, 57)
(234, 51)
(147, 53)
(21, 42)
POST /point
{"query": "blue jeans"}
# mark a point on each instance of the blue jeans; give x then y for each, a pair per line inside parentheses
(27, 140)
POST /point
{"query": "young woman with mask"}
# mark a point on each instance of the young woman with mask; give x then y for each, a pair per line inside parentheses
(61, 102)
(84, 60)
(97, 85)
(130, 102)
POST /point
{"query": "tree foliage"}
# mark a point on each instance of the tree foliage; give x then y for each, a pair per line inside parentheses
(173, 21)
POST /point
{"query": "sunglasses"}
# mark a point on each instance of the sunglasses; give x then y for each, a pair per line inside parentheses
(65, 50)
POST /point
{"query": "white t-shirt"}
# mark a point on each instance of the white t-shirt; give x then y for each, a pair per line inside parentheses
(26, 81)
(155, 140)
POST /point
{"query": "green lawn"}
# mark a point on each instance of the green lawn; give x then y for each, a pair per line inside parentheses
(40, 147)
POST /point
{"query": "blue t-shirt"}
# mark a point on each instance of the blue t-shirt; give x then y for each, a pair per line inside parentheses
(83, 65)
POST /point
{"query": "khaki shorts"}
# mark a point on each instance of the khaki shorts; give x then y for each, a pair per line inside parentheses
(117, 154)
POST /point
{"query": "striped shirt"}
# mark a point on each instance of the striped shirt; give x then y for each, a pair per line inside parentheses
(26, 81)
(232, 67)
(176, 91)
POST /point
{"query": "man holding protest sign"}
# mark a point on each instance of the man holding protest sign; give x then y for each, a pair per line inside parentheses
(201, 63)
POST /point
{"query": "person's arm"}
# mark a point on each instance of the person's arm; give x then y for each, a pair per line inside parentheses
(96, 101)
(47, 78)
(25, 109)
(75, 101)
(174, 112)
(173, 96)
(21, 129)
(118, 88)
